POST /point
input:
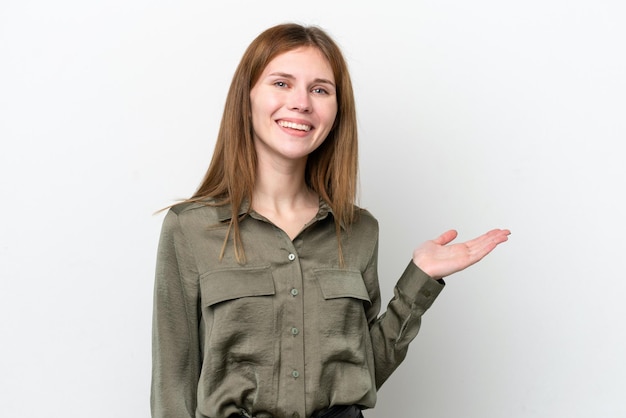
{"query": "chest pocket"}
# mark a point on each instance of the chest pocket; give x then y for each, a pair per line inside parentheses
(337, 283)
(223, 285)
(342, 325)
(238, 308)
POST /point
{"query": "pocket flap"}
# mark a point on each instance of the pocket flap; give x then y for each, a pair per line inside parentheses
(221, 285)
(337, 283)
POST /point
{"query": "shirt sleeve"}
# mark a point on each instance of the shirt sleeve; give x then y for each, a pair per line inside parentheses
(175, 347)
(392, 331)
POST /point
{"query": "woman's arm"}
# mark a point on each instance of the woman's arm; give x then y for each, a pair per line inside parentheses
(415, 291)
(175, 345)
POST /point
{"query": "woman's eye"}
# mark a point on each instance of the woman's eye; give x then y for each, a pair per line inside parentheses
(320, 90)
(280, 84)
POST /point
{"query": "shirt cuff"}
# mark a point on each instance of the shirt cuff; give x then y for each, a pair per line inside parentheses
(419, 287)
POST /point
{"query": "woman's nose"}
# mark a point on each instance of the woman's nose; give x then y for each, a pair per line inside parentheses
(300, 101)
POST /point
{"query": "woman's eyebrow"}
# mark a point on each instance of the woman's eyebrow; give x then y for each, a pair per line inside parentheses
(291, 77)
(324, 81)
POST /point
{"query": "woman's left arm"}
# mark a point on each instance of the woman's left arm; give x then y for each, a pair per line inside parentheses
(415, 292)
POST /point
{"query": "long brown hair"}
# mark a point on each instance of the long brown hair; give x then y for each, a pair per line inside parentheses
(331, 170)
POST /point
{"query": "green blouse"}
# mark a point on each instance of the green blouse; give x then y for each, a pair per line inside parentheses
(288, 333)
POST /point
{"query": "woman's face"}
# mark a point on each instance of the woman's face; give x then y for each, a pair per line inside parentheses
(294, 105)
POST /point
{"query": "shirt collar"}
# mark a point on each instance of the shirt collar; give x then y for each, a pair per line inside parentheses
(224, 212)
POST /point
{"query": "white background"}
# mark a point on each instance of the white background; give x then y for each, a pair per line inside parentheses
(472, 115)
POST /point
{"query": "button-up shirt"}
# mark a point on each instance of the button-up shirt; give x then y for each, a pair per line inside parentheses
(290, 332)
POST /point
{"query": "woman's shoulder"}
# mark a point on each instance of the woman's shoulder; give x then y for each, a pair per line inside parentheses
(361, 211)
(364, 218)
(188, 205)
(207, 211)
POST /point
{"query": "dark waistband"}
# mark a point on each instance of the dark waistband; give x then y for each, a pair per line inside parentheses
(339, 411)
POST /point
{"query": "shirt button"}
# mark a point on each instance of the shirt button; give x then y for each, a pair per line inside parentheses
(295, 415)
(295, 331)
(294, 292)
(291, 257)
(295, 374)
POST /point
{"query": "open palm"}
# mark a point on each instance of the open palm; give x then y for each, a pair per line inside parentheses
(437, 259)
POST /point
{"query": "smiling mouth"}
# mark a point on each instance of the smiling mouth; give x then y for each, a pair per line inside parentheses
(297, 126)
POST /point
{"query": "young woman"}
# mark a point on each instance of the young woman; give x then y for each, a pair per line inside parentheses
(266, 298)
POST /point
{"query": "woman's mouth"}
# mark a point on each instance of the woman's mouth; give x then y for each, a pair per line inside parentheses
(296, 126)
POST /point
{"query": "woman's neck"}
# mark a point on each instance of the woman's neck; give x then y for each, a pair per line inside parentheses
(282, 196)
(282, 189)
